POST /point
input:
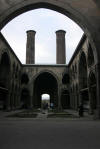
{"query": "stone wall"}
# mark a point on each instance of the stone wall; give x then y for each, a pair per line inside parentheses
(14, 73)
(83, 53)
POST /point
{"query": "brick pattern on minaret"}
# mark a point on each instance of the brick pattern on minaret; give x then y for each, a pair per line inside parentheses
(60, 47)
(30, 47)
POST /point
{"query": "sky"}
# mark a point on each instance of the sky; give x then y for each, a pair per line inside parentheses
(45, 22)
(45, 97)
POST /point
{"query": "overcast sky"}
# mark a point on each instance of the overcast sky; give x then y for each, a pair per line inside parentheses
(45, 22)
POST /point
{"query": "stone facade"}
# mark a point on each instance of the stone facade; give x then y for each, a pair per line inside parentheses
(22, 77)
(82, 71)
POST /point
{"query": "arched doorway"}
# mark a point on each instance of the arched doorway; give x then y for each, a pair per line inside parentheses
(4, 80)
(83, 87)
(45, 83)
(92, 92)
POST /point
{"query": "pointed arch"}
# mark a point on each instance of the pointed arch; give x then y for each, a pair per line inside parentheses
(45, 82)
(82, 71)
(90, 56)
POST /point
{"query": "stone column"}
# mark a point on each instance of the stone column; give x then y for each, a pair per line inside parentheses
(97, 112)
(59, 98)
(80, 98)
(31, 104)
(8, 101)
(90, 101)
(31, 89)
(30, 47)
(60, 47)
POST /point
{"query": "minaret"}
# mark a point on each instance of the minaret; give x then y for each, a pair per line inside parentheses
(60, 47)
(30, 47)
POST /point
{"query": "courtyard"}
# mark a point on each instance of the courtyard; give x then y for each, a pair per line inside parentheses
(43, 133)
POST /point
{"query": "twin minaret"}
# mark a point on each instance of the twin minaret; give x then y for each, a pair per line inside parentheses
(60, 47)
(30, 47)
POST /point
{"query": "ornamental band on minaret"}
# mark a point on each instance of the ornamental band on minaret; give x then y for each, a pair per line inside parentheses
(60, 47)
(30, 47)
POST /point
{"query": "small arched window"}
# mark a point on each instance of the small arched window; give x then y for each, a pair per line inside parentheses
(24, 79)
(66, 79)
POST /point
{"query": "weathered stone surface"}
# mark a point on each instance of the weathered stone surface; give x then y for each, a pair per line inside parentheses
(82, 70)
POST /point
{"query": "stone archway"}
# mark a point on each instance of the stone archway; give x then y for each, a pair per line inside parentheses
(83, 86)
(4, 80)
(4, 70)
(45, 82)
(83, 71)
(90, 56)
(89, 20)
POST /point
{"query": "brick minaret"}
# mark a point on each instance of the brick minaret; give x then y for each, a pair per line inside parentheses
(60, 47)
(30, 47)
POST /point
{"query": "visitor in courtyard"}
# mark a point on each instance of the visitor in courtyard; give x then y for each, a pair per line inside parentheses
(52, 105)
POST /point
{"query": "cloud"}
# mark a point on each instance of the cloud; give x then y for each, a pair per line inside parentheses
(44, 55)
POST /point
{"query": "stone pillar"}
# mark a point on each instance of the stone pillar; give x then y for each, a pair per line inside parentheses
(91, 111)
(60, 47)
(31, 89)
(30, 47)
(59, 98)
(31, 104)
(8, 101)
(80, 98)
(97, 112)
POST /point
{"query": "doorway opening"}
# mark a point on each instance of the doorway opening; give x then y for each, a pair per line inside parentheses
(45, 101)
(45, 83)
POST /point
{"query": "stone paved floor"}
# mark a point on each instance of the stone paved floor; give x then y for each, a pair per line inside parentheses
(49, 133)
